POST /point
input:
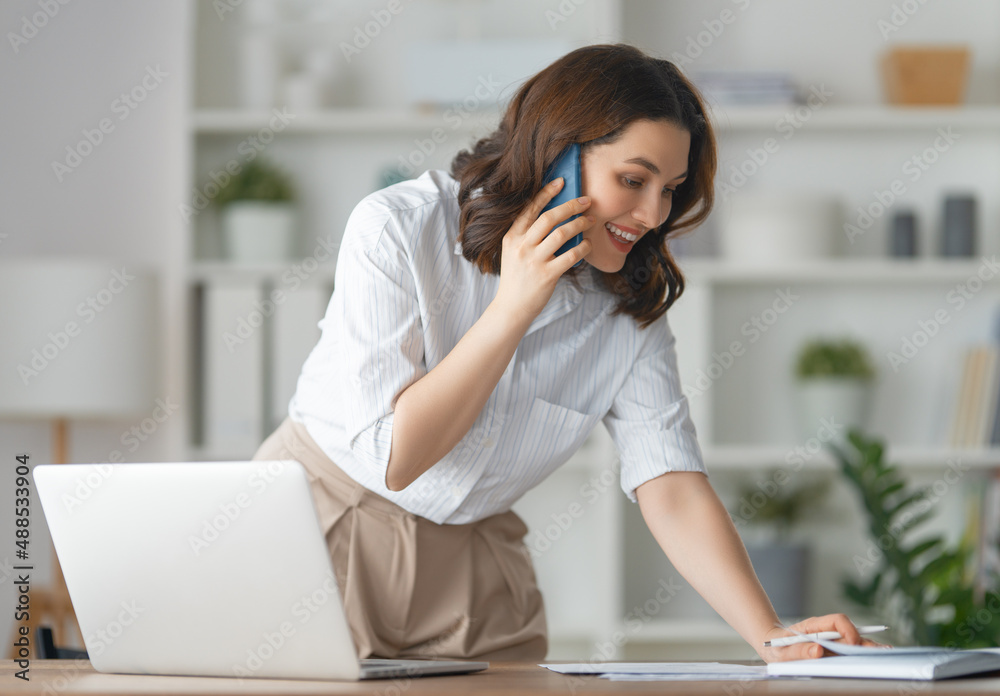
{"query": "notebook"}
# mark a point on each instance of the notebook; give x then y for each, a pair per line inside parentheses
(205, 569)
(919, 663)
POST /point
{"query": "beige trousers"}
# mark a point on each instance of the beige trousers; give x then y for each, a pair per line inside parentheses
(413, 588)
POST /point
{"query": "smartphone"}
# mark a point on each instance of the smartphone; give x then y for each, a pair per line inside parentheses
(567, 166)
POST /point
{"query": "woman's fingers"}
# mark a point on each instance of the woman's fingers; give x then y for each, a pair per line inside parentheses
(817, 624)
(802, 651)
(552, 241)
(830, 622)
(531, 211)
(547, 221)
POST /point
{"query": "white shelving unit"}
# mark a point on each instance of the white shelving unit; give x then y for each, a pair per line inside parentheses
(598, 566)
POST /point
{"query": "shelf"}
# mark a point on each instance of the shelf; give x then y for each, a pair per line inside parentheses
(739, 457)
(346, 121)
(205, 454)
(837, 270)
(202, 271)
(685, 631)
(413, 120)
(855, 118)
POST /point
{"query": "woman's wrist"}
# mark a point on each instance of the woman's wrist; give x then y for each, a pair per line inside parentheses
(510, 322)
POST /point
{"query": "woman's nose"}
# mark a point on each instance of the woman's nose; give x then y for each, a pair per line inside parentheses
(650, 210)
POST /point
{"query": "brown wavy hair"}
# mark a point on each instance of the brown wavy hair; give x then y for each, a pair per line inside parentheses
(588, 96)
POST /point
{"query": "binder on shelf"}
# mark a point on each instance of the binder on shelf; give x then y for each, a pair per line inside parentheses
(974, 397)
(988, 399)
(233, 349)
(976, 403)
(294, 333)
(961, 408)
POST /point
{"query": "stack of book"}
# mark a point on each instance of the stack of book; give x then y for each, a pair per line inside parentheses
(976, 419)
(747, 87)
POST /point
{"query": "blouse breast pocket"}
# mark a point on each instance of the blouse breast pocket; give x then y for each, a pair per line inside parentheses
(557, 432)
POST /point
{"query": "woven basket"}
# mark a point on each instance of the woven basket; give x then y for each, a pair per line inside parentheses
(925, 75)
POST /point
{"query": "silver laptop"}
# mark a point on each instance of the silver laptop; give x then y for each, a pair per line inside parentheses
(205, 569)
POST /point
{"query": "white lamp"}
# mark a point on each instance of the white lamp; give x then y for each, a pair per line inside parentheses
(79, 342)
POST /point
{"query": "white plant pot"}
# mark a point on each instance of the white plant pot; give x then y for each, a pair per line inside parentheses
(258, 231)
(830, 406)
(779, 229)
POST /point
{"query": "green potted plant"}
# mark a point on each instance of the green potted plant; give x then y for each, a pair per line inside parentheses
(766, 514)
(834, 380)
(258, 213)
(927, 587)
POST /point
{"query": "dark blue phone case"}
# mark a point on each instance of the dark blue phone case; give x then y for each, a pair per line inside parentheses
(567, 166)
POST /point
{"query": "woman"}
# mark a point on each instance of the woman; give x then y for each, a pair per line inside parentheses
(462, 361)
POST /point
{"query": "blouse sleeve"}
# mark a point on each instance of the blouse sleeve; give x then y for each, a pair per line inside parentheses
(649, 419)
(381, 344)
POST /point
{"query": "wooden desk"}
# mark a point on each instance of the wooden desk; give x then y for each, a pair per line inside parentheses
(521, 679)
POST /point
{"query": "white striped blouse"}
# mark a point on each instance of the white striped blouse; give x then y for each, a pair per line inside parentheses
(404, 296)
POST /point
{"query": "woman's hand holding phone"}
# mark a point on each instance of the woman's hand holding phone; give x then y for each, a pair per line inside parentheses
(529, 267)
(436, 411)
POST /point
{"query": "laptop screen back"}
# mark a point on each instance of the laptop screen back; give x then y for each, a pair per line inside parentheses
(209, 569)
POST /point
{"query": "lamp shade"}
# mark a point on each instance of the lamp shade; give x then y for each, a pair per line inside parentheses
(79, 339)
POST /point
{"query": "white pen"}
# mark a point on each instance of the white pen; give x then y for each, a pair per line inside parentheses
(822, 635)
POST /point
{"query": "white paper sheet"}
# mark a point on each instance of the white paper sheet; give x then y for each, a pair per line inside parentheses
(663, 671)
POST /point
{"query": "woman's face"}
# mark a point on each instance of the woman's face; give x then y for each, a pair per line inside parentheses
(630, 182)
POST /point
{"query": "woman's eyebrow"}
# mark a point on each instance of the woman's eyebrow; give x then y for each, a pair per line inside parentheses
(642, 161)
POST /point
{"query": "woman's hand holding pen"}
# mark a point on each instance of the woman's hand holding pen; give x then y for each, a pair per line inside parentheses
(808, 650)
(529, 267)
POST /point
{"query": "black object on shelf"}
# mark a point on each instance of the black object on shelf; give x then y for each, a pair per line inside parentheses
(903, 235)
(958, 226)
(47, 650)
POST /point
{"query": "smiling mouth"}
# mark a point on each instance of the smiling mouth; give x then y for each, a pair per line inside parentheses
(620, 239)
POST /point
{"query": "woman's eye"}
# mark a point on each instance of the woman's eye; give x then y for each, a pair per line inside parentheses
(632, 183)
(667, 193)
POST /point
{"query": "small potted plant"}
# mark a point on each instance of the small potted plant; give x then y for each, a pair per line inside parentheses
(766, 514)
(258, 214)
(834, 380)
